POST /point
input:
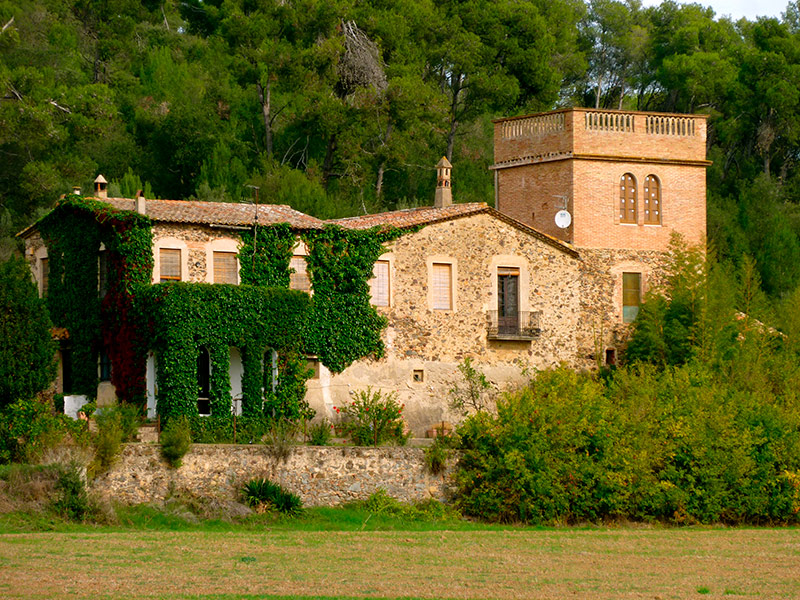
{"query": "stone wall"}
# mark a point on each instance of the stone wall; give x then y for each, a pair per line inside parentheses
(424, 346)
(321, 476)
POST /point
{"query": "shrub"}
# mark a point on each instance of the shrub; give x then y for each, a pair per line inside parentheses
(473, 392)
(72, 502)
(262, 492)
(176, 440)
(681, 445)
(280, 438)
(27, 350)
(438, 453)
(373, 419)
(28, 428)
(320, 434)
(115, 424)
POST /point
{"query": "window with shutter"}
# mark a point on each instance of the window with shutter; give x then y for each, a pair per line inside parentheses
(170, 267)
(652, 200)
(379, 284)
(225, 268)
(299, 280)
(442, 286)
(627, 199)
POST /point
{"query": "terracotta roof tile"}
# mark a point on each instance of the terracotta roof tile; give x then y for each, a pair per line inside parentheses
(412, 217)
(426, 215)
(219, 213)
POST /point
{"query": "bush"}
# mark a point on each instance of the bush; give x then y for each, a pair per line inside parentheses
(28, 428)
(680, 445)
(115, 424)
(373, 419)
(438, 453)
(27, 350)
(262, 492)
(72, 502)
(319, 434)
(176, 440)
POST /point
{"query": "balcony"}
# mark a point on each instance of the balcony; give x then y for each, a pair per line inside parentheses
(522, 326)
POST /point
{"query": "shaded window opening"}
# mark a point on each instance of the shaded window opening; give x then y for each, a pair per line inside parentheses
(203, 382)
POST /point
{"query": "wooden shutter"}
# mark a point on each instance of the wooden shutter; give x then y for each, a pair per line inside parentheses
(170, 267)
(627, 199)
(45, 277)
(379, 284)
(225, 268)
(652, 200)
(299, 279)
(442, 286)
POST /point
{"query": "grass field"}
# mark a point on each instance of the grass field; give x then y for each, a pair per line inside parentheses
(288, 561)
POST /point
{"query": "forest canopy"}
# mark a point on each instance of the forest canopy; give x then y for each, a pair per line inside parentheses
(338, 107)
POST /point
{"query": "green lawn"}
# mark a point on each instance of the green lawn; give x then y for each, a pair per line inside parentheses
(336, 553)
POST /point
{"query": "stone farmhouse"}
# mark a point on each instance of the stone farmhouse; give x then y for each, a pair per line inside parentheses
(585, 204)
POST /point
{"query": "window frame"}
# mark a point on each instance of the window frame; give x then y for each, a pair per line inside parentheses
(628, 199)
(627, 317)
(374, 281)
(647, 205)
(234, 272)
(166, 278)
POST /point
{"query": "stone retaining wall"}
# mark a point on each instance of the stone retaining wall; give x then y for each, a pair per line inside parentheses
(321, 476)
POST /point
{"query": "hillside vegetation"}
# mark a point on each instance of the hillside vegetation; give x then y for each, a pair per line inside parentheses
(339, 107)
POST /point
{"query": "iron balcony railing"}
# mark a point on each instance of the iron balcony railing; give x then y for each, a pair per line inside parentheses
(522, 325)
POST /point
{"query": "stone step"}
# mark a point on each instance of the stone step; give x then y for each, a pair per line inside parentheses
(148, 434)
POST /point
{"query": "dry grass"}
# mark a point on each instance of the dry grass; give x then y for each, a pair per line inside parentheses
(608, 563)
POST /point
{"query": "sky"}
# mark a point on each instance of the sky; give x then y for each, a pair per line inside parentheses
(749, 9)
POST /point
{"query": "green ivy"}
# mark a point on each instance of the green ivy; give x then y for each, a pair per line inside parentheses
(176, 320)
(344, 326)
(184, 317)
(264, 255)
(73, 232)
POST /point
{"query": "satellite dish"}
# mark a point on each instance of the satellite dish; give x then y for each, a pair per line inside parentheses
(563, 219)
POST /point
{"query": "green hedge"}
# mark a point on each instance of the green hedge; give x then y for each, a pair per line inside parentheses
(679, 445)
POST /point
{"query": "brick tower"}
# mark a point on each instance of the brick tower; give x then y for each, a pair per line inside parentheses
(628, 179)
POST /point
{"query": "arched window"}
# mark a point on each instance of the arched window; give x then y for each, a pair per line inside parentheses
(652, 200)
(627, 199)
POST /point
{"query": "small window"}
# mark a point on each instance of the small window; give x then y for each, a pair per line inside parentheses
(419, 375)
(170, 259)
(631, 296)
(226, 269)
(627, 199)
(299, 279)
(105, 366)
(442, 286)
(45, 273)
(379, 284)
(312, 364)
(611, 357)
(652, 200)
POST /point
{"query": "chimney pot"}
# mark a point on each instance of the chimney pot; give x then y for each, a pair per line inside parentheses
(101, 187)
(444, 193)
(76, 190)
(141, 203)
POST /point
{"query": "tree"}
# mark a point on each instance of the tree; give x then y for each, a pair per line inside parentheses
(27, 349)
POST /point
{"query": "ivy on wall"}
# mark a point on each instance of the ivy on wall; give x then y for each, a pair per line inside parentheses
(264, 255)
(344, 325)
(73, 232)
(185, 317)
(176, 320)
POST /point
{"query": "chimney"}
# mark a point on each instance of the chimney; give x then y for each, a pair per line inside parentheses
(76, 190)
(444, 193)
(141, 204)
(100, 187)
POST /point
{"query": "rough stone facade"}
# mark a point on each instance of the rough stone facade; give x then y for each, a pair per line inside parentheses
(321, 476)
(432, 343)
